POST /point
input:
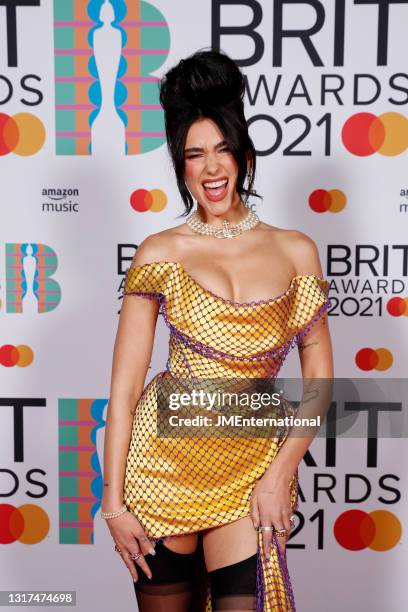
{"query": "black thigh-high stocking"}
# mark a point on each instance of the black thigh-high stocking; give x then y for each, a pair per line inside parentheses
(170, 589)
(233, 587)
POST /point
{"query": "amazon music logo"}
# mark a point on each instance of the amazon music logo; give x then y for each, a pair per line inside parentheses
(60, 199)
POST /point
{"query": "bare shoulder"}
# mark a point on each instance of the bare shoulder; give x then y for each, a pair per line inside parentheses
(304, 253)
(160, 246)
(300, 248)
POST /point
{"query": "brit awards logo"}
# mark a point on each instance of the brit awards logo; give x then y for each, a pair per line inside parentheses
(105, 54)
(29, 282)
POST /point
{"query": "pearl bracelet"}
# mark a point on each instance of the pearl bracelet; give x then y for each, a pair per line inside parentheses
(109, 515)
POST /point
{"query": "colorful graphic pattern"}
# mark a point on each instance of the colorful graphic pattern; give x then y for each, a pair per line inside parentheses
(78, 95)
(76, 86)
(146, 42)
(45, 289)
(80, 475)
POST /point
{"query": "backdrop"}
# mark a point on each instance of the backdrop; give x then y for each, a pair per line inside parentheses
(85, 176)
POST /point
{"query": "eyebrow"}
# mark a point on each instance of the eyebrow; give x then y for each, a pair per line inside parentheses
(222, 143)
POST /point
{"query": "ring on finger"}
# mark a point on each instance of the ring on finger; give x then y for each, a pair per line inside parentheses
(265, 528)
(135, 555)
(281, 533)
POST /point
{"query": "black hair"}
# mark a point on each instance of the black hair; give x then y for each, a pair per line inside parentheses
(207, 84)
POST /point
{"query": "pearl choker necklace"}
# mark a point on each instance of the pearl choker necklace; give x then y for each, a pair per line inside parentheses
(227, 230)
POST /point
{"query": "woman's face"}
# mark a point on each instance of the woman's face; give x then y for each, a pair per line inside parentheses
(210, 170)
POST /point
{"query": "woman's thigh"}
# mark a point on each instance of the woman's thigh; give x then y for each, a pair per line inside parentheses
(229, 543)
(182, 544)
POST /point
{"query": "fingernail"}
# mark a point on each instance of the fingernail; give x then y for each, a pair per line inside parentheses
(152, 551)
(134, 580)
(256, 526)
(267, 557)
(150, 577)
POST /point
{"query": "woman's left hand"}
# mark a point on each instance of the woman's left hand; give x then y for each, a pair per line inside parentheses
(270, 506)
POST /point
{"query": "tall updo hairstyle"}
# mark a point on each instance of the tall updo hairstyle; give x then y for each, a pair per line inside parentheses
(207, 84)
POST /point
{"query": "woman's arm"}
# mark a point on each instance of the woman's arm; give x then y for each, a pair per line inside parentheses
(270, 502)
(316, 359)
(131, 358)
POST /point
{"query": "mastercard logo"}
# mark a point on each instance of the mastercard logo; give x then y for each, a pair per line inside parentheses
(364, 134)
(397, 307)
(154, 200)
(379, 530)
(29, 524)
(22, 134)
(374, 359)
(20, 355)
(321, 201)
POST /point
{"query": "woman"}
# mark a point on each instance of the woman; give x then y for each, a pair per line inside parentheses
(202, 522)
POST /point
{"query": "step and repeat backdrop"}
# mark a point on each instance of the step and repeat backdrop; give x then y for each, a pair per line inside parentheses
(85, 176)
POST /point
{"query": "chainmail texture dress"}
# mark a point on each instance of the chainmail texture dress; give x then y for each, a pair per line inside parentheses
(180, 485)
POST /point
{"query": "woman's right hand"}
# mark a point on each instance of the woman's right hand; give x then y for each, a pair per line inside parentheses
(130, 537)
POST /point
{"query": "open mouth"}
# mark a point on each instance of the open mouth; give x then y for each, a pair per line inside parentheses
(216, 189)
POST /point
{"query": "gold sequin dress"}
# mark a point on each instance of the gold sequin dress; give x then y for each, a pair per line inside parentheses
(179, 485)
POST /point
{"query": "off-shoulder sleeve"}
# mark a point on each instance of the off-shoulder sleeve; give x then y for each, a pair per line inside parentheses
(310, 303)
(148, 280)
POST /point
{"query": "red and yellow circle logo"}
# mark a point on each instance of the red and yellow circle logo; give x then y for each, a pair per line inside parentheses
(321, 201)
(374, 359)
(29, 524)
(142, 200)
(22, 134)
(20, 355)
(379, 530)
(364, 134)
(397, 306)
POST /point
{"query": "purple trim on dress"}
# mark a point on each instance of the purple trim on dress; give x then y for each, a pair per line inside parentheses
(260, 584)
(285, 574)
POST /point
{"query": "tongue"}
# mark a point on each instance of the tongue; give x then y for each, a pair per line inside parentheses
(216, 190)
